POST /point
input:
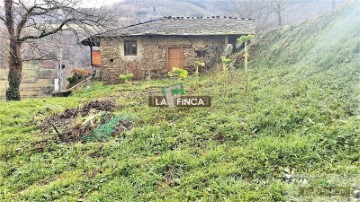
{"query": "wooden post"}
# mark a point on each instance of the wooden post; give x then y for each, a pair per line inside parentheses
(245, 68)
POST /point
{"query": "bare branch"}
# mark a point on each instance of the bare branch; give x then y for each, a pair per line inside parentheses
(47, 33)
(9, 20)
(38, 59)
(24, 19)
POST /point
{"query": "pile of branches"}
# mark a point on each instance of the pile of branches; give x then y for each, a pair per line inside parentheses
(82, 123)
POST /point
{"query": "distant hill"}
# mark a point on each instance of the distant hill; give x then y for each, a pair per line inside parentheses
(139, 11)
(133, 11)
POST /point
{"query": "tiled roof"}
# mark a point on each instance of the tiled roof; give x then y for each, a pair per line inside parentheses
(215, 25)
(181, 26)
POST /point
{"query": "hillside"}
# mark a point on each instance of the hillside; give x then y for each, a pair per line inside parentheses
(134, 11)
(143, 11)
(300, 119)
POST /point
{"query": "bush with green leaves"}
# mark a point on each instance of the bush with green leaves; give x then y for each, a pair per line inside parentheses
(178, 73)
(107, 130)
(126, 77)
(77, 75)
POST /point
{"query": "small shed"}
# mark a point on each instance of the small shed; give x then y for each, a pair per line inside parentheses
(151, 49)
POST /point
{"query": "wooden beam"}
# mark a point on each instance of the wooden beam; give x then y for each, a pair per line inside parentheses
(175, 46)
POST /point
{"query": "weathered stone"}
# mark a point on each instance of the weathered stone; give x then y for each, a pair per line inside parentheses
(151, 59)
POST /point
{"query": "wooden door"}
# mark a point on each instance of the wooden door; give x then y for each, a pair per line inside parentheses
(96, 58)
(175, 58)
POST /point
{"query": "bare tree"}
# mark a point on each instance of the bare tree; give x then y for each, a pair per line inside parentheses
(316, 2)
(261, 10)
(33, 20)
(278, 7)
(333, 4)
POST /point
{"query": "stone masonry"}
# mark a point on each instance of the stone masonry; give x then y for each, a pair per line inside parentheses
(151, 61)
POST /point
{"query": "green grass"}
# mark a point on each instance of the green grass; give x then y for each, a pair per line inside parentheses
(300, 116)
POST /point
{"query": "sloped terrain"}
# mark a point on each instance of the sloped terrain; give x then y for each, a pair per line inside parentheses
(299, 121)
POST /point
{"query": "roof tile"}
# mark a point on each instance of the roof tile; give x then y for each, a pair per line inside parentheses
(171, 25)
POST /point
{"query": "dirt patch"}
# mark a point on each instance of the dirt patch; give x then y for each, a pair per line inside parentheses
(94, 121)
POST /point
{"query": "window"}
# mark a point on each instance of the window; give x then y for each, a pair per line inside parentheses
(130, 48)
(200, 53)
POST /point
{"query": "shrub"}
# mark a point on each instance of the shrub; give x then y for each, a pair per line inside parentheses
(77, 75)
(105, 131)
(178, 72)
(198, 64)
(126, 77)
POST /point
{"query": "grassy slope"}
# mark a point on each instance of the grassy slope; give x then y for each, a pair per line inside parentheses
(301, 113)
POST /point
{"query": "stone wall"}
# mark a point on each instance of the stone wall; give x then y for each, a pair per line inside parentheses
(150, 61)
(35, 82)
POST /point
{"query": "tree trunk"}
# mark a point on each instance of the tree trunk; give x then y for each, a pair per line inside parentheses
(15, 60)
(279, 18)
(15, 71)
(246, 67)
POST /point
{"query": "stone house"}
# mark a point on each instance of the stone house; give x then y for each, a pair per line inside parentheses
(151, 49)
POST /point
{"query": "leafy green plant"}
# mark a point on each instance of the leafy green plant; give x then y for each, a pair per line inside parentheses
(245, 39)
(198, 64)
(225, 73)
(77, 75)
(126, 77)
(225, 61)
(178, 73)
(105, 131)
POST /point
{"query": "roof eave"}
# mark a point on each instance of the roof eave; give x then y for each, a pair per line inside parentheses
(190, 34)
(91, 41)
